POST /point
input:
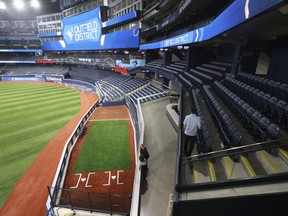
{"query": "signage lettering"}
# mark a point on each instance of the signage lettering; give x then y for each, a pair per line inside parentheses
(120, 69)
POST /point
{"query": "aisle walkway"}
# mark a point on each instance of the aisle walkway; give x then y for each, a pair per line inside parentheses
(161, 141)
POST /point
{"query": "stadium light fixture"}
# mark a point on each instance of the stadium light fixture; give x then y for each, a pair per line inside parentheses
(35, 3)
(19, 4)
(2, 6)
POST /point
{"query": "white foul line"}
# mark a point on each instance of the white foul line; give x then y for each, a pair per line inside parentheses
(109, 173)
(80, 175)
(86, 185)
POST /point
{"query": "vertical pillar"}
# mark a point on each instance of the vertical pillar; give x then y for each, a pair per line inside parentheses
(167, 58)
(166, 81)
(189, 59)
(235, 59)
(195, 57)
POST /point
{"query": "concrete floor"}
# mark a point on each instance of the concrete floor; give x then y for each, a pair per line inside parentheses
(161, 142)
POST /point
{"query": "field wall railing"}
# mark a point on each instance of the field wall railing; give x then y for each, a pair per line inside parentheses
(139, 126)
(64, 161)
(104, 203)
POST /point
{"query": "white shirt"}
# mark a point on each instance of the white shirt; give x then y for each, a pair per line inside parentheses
(191, 124)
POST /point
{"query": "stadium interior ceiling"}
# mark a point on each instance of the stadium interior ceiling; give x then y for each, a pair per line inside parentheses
(11, 12)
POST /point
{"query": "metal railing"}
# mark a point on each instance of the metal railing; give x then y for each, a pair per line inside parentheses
(90, 201)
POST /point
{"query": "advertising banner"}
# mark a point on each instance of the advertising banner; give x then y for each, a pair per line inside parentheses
(22, 79)
(84, 32)
(236, 13)
(57, 79)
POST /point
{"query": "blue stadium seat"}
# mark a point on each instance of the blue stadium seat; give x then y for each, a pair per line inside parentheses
(286, 115)
(276, 88)
(265, 101)
(273, 131)
(283, 91)
(244, 110)
(264, 122)
(280, 112)
(227, 123)
(255, 124)
(272, 107)
(260, 96)
(231, 130)
(236, 139)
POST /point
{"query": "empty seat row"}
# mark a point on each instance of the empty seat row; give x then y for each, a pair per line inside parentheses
(147, 93)
(193, 79)
(185, 81)
(213, 73)
(215, 67)
(258, 125)
(203, 138)
(228, 132)
(174, 68)
(274, 88)
(202, 76)
(222, 63)
(275, 108)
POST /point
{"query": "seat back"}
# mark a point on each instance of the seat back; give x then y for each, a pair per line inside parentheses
(256, 116)
(264, 122)
(273, 130)
(237, 137)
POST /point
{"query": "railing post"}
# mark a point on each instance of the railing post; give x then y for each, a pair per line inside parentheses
(90, 202)
(51, 202)
(110, 203)
(70, 200)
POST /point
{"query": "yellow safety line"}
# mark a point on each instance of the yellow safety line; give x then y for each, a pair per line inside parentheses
(227, 162)
(283, 153)
(212, 171)
(247, 166)
(195, 173)
(268, 161)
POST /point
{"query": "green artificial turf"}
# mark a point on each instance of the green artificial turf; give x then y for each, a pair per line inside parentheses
(30, 116)
(106, 147)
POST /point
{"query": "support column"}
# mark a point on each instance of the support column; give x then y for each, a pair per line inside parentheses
(235, 59)
(195, 57)
(167, 58)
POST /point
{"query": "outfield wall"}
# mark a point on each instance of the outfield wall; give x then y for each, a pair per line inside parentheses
(64, 161)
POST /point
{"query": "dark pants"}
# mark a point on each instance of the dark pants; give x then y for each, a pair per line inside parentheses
(144, 171)
(189, 142)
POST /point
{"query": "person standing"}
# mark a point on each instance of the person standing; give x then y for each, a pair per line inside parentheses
(191, 125)
(144, 152)
(143, 167)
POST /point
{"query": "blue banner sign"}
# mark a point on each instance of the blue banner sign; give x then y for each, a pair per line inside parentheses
(118, 20)
(84, 32)
(236, 13)
(116, 40)
(84, 29)
(22, 62)
(22, 79)
(22, 50)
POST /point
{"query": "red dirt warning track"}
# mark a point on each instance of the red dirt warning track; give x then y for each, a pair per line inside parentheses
(29, 196)
(114, 182)
(121, 184)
